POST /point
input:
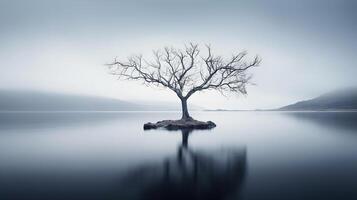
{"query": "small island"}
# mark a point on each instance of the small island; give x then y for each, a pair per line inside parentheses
(180, 124)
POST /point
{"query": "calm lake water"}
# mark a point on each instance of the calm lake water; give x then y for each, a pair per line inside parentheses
(249, 155)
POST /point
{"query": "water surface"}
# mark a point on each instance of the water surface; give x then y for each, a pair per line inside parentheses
(249, 155)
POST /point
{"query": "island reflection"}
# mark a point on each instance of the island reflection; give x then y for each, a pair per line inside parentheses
(190, 174)
(338, 121)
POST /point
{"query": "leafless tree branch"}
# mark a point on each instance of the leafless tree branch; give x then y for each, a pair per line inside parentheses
(187, 71)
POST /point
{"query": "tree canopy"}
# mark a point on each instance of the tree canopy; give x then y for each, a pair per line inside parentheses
(186, 71)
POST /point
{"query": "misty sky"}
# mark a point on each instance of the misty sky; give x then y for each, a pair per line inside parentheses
(308, 47)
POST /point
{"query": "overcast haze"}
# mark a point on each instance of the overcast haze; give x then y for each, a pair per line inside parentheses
(307, 47)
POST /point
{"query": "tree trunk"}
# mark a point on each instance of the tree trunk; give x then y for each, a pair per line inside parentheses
(185, 115)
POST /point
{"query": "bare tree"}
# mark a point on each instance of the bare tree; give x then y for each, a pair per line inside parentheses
(187, 71)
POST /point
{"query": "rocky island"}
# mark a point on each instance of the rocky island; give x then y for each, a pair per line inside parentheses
(180, 124)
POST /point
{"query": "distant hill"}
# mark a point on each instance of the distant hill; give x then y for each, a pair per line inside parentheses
(18, 100)
(345, 99)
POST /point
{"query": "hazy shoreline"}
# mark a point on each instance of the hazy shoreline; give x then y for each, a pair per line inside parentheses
(220, 110)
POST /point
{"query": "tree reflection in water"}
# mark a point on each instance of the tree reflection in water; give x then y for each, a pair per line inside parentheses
(190, 175)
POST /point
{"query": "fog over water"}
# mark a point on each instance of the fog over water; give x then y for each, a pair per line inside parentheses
(249, 155)
(307, 46)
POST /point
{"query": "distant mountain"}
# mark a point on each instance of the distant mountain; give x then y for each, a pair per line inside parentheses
(18, 100)
(345, 99)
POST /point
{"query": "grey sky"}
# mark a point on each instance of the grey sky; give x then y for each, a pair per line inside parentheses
(308, 47)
